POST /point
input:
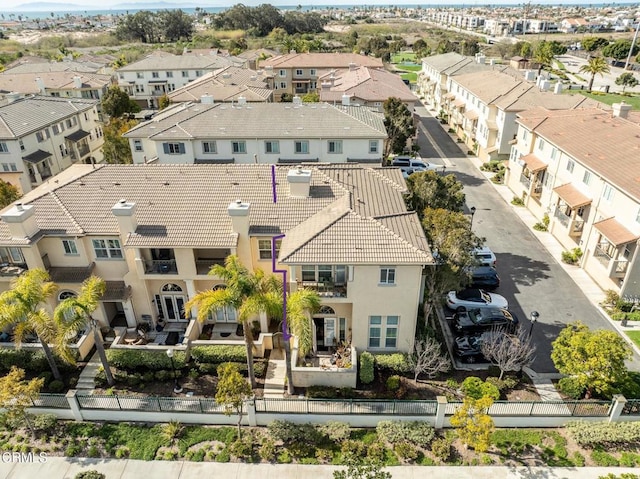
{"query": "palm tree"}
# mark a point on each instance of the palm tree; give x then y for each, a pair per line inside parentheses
(74, 314)
(20, 308)
(240, 285)
(595, 66)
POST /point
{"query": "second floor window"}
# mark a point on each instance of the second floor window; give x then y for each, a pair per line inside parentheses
(70, 247)
(3, 147)
(387, 275)
(302, 147)
(272, 146)
(155, 74)
(282, 73)
(586, 179)
(209, 147)
(239, 146)
(137, 145)
(169, 74)
(570, 165)
(334, 146)
(185, 74)
(373, 146)
(139, 75)
(607, 193)
(173, 148)
(107, 248)
(264, 248)
(9, 167)
(298, 72)
(12, 256)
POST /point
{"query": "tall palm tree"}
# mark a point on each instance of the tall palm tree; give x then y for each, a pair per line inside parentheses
(20, 308)
(595, 66)
(240, 285)
(74, 314)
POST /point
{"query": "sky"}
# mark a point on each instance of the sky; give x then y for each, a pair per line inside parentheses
(102, 5)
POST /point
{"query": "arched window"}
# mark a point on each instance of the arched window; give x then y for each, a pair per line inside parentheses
(171, 288)
(65, 295)
(228, 314)
(326, 310)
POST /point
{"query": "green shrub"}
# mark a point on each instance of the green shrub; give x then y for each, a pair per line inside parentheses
(223, 456)
(397, 363)
(620, 315)
(515, 441)
(73, 450)
(47, 376)
(517, 201)
(122, 452)
(476, 388)
(56, 386)
(260, 368)
(406, 451)
(366, 367)
(493, 166)
(578, 459)
(208, 368)
(603, 459)
(353, 448)
(542, 225)
(24, 359)
(498, 178)
(285, 457)
(219, 354)
(629, 459)
(267, 450)
(393, 383)
(44, 423)
(503, 384)
(92, 474)
(243, 448)
(93, 452)
(140, 359)
(572, 257)
(335, 431)
(376, 452)
(416, 433)
(163, 375)
(441, 448)
(571, 387)
(290, 433)
(603, 433)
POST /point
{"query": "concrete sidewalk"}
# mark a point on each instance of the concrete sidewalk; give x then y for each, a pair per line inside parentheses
(67, 468)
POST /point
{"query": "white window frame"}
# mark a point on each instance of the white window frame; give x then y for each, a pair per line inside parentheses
(139, 75)
(334, 147)
(137, 145)
(586, 178)
(169, 74)
(373, 146)
(570, 166)
(541, 144)
(282, 73)
(608, 192)
(4, 148)
(264, 249)
(301, 147)
(173, 148)
(110, 248)
(185, 74)
(209, 147)
(313, 72)
(299, 72)
(155, 74)
(70, 247)
(272, 147)
(387, 332)
(239, 147)
(387, 276)
(283, 85)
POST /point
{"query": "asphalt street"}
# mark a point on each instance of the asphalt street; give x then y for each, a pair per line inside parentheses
(531, 279)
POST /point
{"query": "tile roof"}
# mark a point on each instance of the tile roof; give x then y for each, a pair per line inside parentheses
(605, 144)
(262, 120)
(368, 84)
(30, 114)
(445, 60)
(321, 60)
(186, 206)
(615, 232)
(26, 82)
(177, 62)
(41, 67)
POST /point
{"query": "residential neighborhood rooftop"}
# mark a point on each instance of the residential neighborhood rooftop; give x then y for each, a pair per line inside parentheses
(321, 60)
(369, 84)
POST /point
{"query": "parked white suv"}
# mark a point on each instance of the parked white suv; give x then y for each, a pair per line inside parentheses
(485, 256)
(412, 165)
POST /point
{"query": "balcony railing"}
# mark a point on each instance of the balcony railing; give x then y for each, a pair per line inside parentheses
(562, 218)
(602, 255)
(576, 228)
(160, 266)
(526, 181)
(326, 289)
(12, 269)
(204, 265)
(620, 268)
(537, 190)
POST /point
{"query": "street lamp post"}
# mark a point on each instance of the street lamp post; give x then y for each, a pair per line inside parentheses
(176, 385)
(534, 319)
(473, 212)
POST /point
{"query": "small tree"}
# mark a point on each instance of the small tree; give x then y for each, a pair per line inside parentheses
(359, 469)
(594, 359)
(473, 423)
(626, 80)
(116, 148)
(595, 66)
(8, 193)
(16, 394)
(427, 358)
(164, 101)
(232, 391)
(510, 352)
(116, 102)
(432, 190)
(399, 123)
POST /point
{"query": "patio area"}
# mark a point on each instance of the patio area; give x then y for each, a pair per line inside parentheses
(222, 331)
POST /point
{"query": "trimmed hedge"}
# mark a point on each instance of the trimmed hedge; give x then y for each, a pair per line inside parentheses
(219, 354)
(397, 363)
(133, 359)
(366, 367)
(29, 360)
(603, 433)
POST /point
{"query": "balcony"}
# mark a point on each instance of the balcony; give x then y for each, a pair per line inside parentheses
(562, 218)
(602, 256)
(325, 289)
(620, 268)
(160, 266)
(203, 266)
(576, 228)
(526, 181)
(537, 190)
(206, 258)
(12, 269)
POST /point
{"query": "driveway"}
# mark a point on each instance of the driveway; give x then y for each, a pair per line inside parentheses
(531, 279)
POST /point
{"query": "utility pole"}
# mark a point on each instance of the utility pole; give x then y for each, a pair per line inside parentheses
(633, 44)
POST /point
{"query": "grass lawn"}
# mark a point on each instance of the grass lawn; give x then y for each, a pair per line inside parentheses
(634, 336)
(412, 77)
(403, 57)
(611, 98)
(409, 68)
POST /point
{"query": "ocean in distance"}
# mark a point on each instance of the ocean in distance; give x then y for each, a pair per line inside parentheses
(91, 11)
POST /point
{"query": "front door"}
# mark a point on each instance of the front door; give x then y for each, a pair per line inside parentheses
(329, 332)
(174, 307)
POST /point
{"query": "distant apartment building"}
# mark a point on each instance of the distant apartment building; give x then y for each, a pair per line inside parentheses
(42, 136)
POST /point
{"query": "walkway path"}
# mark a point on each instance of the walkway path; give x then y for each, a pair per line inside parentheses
(276, 373)
(65, 468)
(86, 381)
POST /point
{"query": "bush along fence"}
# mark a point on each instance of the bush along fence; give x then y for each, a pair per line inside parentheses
(356, 412)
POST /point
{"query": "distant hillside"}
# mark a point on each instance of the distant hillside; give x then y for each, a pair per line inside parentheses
(44, 6)
(74, 7)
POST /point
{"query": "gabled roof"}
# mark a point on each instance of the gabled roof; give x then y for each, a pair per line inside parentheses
(170, 62)
(30, 114)
(40, 67)
(445, 60)
(321, 60)
(360, 212)
(368, 84)
(64, 80)
(261, 120)
(605, 144)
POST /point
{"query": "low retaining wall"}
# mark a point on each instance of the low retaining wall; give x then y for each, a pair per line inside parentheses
(317, 376)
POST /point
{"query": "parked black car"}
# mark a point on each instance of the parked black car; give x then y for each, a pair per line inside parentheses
(485, 277)
(468, 348)
(482, 319)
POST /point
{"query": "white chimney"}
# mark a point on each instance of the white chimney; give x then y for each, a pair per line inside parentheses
(269, 69)
(326, 85)
(492, 61)
(242, 100)
(239, 213)
(299, 182)
(530, 75)
(40, 84)
(259, 72)
(346, 100)
(621, 110)
(352, 66)
(21, 221)
(77, 82)
(545, 85)
(125, 213)
(297, 101)
(206, 99)
(11, 97)
(481, 59)
(557, 88)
